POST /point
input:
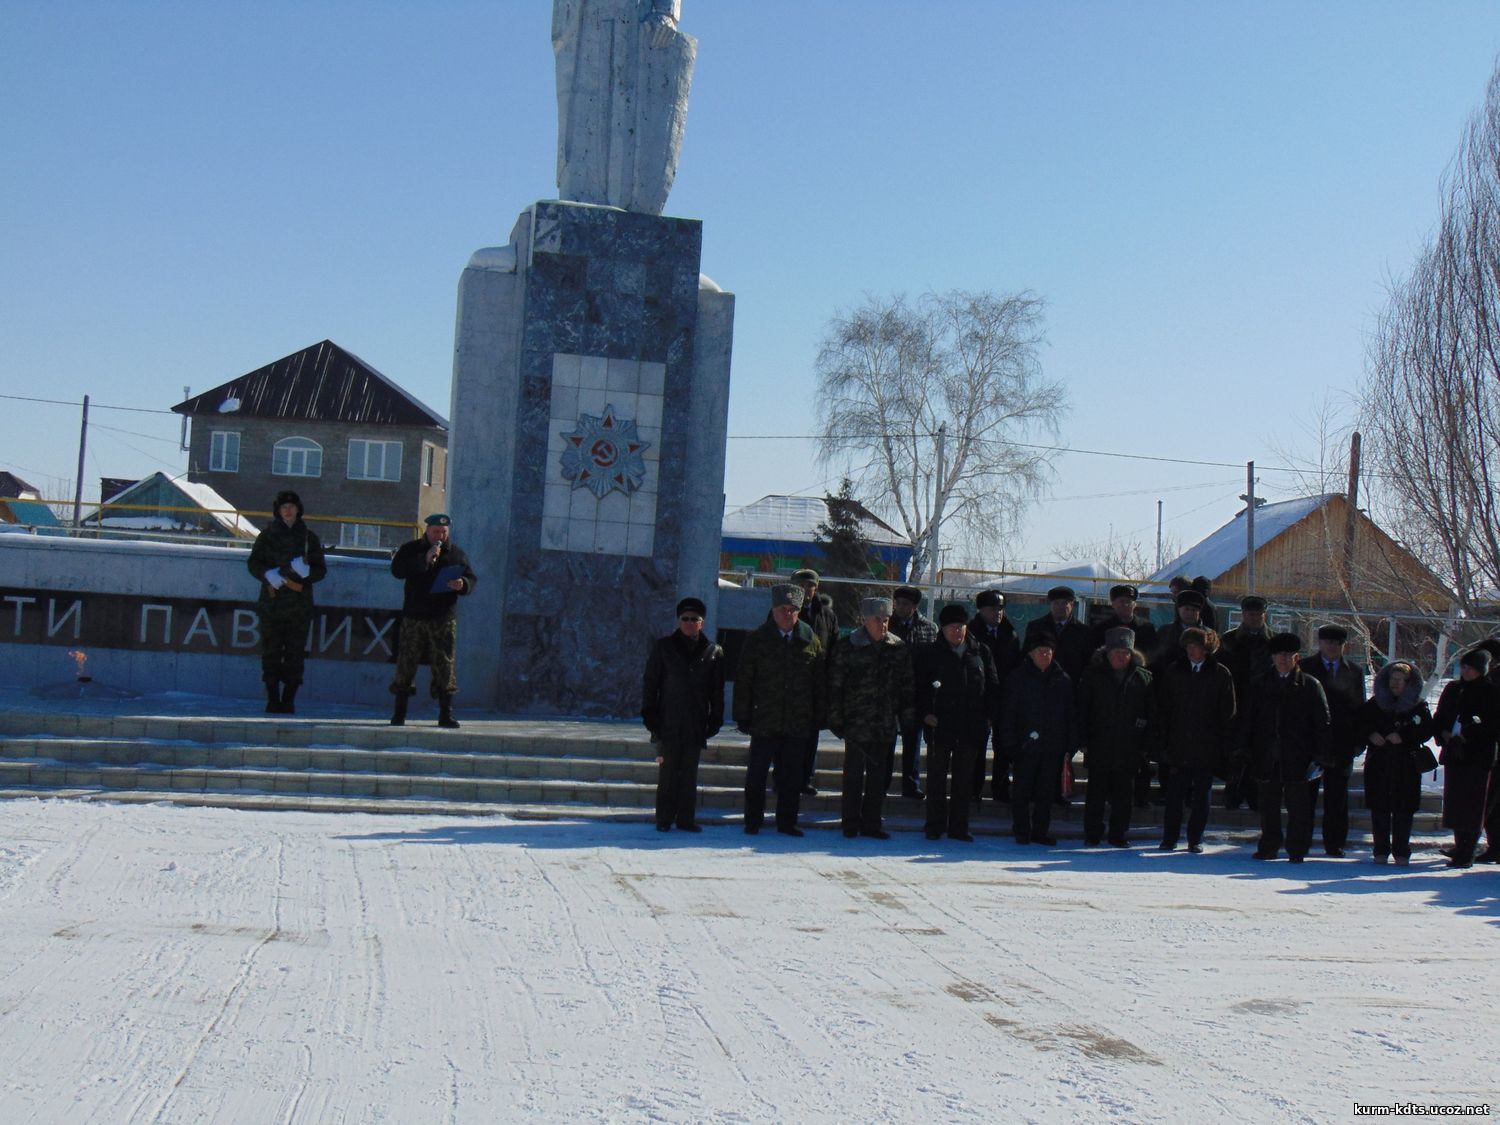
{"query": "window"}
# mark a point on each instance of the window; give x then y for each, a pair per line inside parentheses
(359, 535)
(429, 460)
(374, 460)
(297, 457)
(224, 452)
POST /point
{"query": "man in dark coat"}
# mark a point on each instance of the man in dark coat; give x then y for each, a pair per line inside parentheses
(287, 559)
(1196, 708)
(1344, 686)
(1491, 853)
(682, 705)
(871, 688)
(1189, 610)
(437, 573)
(1070, 646)
(914, 630)
(1210, 612)
(1246, 651)
(957, 690)
(1284, 738)
(1465, 725)
(1116, 726)
(817, 612)
(1038, 726)
(993, 629)
(778, 701)
(1124, 614)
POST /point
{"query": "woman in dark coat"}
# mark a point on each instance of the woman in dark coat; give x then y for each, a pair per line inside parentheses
(1467, 721)
(682, 705)
(1392, 724)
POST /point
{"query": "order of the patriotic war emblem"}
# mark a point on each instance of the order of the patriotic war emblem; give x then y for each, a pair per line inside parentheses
(604, 453)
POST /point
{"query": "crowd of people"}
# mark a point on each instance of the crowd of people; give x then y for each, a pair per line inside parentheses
(1177, 708)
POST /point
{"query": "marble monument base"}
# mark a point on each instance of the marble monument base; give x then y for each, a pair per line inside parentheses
(586, 464)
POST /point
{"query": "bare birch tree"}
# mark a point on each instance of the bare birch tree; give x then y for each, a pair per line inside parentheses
(1431, 399)
(896, 380)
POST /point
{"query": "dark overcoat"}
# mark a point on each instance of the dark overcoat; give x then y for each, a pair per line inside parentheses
(1196, 712)
(1474, 707)
(1345, 691)
(1037, 713)
(1392, 783)
(1285, 729)
(968, 695)
(1117, 722)
(682, 691)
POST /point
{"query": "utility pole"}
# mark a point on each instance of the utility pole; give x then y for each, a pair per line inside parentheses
(1351, 524)
(937, 504)
(1158, 535)
(1250, 528)
(182, 439)
(83, 439)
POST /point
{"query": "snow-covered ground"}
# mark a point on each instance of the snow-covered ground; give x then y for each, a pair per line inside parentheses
(192, 965)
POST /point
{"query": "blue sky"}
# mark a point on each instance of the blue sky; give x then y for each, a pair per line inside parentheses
(1212, 198)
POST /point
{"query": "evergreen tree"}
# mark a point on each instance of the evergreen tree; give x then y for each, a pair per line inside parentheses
(846, 552)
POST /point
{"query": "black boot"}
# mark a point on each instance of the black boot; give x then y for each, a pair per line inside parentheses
(273, 697)
(398, 716)
(289, 698)
(445, 712)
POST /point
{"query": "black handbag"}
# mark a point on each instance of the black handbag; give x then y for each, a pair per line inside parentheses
(1423, 759)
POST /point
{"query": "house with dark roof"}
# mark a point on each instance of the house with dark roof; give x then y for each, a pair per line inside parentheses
(368, 459)
(13, 487)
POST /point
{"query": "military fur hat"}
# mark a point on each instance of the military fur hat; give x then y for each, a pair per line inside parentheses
(1119, 638)
(1253, 602)
(1036, 641)
(1333, 633)
(1061, 593)
(874, 607)
(1285, 642)
(1190, 597)
(287, 496)
(691, 605)
(1476, 658)
(990, 598)
(784, 593)
(1125, 590)
(806, 574)
(907, 593)
(953, 615)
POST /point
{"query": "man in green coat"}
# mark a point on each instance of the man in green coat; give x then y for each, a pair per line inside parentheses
(778, 701)
(871, 699)
(287, 559)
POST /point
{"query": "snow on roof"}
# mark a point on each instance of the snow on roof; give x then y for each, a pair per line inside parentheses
(1226, 548)
(1090, 580)
(797, 518)
(203, 496)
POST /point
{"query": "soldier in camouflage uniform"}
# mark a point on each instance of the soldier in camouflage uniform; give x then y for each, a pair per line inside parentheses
(871, 699)
(287, 559)
(429, 616)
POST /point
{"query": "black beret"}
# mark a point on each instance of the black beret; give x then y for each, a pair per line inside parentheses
(1190, 597)
(954, 614)
(1123, 591)
(1333, 633)
(988, 598)
(910, 593)
(1253, 601)
(691, 605)
(1285, 642)
(1061, 593)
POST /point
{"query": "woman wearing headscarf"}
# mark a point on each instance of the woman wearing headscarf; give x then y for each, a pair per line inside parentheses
(1393, 724)
(1467, 721)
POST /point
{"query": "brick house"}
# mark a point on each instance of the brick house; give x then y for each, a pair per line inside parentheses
(368, 459)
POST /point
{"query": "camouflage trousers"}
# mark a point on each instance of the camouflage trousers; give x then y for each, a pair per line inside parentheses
(283, 645)
(427, 640)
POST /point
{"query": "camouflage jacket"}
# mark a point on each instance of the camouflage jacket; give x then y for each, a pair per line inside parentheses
(871, 688)
(778, 686)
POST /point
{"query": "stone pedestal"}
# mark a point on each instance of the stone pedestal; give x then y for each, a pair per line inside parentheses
(586, 470)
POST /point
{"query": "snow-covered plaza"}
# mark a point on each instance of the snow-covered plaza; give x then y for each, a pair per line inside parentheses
(165, 964)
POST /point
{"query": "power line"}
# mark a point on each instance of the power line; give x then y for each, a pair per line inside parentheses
(92, 405)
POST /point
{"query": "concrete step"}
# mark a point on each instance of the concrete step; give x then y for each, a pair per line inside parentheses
(83, 754)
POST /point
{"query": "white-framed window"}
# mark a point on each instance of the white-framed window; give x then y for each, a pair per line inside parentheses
(297, 457)
(223, 451)
(429, 462)
(359, 535)
(374, 460)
